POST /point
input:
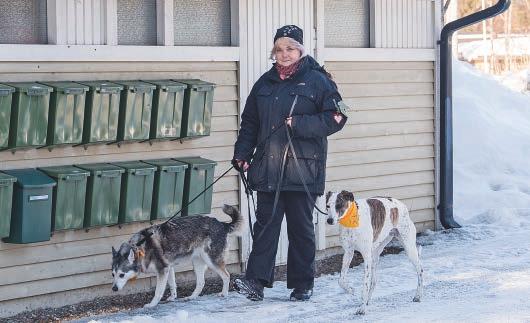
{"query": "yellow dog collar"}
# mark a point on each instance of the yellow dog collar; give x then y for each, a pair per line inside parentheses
(351, 218)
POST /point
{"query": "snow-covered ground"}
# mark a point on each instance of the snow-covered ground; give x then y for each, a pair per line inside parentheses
(480, 273)
(517, 80)
(518, 46)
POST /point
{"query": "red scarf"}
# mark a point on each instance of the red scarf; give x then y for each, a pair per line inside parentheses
(287, 71)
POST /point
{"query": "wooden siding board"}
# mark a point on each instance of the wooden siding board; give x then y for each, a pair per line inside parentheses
(225, 108)
(354, 66)
(424, 226)
(383, 182)
(383, 76)
(379, 155)
(183, 69)
(385, 89)
(384, 129)
(379, 169)
(403, 192)
(357, 117)
(380, 142)
(56, 160)
(73, 266)
(60, 244)
(391, 102)
(95, 274)
(130, 151)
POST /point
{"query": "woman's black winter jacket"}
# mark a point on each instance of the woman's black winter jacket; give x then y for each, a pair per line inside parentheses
(267, 107)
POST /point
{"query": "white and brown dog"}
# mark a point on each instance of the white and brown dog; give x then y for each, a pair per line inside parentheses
(369, 225)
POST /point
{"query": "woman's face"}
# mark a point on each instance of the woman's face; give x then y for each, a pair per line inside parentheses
(285, 53)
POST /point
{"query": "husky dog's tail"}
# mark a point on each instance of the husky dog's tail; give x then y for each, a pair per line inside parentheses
(235, 226)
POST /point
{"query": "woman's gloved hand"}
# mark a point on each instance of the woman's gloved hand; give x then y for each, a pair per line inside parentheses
(240, 165)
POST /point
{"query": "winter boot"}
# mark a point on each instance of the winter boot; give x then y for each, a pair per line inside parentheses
(301, 294)
(251, 288)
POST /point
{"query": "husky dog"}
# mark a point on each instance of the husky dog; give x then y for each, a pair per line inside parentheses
(201, 239)
(377, 221)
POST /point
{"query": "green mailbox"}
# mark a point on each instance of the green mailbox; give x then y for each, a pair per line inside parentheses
(31, 215)
(103, 194)
(199, 175)
(168, 187)
(6, 198)
(6, 98)
(136, 191)
(197, 110)
(68, 207)
(135, 110)
(101, 112)
(67, 112)
(29, 115)
(166, 115)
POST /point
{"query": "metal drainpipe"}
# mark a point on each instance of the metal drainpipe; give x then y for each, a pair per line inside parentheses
(446, 108)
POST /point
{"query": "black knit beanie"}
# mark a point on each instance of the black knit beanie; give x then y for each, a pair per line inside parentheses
(290, 31)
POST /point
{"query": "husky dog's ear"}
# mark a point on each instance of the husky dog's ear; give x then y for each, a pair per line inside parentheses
(348, 196)
(131, 257)
(114, 252)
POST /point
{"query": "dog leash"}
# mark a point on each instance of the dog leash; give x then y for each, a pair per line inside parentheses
(288, 146)
(149, 234)
(248, 192)
(246, 185)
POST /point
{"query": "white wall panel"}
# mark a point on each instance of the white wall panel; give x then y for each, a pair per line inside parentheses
(263, 17)
(79, 22)
(402, 23)
(260, 20)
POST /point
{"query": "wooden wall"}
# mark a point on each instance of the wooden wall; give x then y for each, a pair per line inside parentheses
(78, 260)
(387, 146)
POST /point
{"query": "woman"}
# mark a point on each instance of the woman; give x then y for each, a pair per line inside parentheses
(296, 94)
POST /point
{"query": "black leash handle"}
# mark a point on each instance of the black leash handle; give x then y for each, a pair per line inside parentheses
(249, 194)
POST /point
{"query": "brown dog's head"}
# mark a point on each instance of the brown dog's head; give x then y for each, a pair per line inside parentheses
(337, 204)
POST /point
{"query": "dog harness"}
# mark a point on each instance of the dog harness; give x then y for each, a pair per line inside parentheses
(351, 218)
(139, 254)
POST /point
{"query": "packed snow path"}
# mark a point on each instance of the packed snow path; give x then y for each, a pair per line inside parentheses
(480, 273)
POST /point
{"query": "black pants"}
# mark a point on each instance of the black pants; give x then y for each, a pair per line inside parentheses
(298, 209)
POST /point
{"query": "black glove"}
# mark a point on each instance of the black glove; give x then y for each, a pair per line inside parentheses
(236, 164)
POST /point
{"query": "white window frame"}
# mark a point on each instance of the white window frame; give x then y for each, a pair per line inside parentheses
(165, 51)
(328, 54)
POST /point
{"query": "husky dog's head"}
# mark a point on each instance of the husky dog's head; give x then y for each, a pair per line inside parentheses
(124, 266)
(337, 204)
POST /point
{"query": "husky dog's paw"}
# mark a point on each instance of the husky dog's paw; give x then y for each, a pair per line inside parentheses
(361, 311)
(189, 298)
(171, 298)
(150, 305)
(221, 294)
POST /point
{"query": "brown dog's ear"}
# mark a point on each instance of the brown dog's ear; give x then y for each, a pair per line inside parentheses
(348, 196)
(328, 195)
